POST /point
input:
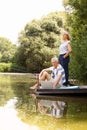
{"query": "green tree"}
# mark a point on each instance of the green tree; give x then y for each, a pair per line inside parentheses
(39, 41)
(7, 50)
(77, 21)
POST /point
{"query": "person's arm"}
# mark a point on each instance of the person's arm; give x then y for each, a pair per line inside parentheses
(57, 81)
(69, 50)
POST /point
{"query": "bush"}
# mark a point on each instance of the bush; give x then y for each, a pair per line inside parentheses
(17, 68)
(5, 67)
(11, 67)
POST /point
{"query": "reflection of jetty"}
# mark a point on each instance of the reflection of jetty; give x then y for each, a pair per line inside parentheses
(64, 92)
(80, 99)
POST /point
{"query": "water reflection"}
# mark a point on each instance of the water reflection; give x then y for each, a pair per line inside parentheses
(53, 108)
(9, 119)
(20, 110)
(12, 89)
(58, 108)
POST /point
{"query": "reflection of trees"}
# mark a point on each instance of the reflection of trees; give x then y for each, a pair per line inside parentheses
(18, 86)
(78, 110)
(15, 85)
(29, 115)
(21, 90)
(6, 91)
(28, 110)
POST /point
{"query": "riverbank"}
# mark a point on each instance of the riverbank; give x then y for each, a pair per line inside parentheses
(1, 73)
(34, 75)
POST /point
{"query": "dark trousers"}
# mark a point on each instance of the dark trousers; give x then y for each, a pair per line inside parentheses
(64, 62)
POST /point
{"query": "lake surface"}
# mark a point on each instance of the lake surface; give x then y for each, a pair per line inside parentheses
(20, 109)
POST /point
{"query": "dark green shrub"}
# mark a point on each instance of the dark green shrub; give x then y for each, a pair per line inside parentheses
(11, 67)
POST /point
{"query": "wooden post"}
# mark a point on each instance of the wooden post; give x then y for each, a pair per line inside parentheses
(37, 77)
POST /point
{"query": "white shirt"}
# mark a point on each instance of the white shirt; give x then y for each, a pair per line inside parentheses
(56, 72)
(63, 47)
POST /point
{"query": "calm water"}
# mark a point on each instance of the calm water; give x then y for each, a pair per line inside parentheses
(20, 109)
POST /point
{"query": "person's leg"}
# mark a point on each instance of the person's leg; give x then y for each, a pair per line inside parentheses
(64, 62)
(43, 77)
(65, 66)
(61, 61)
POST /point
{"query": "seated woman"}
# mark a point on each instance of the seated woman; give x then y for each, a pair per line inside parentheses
(57, 74)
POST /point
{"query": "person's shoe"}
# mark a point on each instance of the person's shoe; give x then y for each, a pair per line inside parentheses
(72, 84)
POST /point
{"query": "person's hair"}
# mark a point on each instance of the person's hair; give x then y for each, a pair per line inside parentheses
(54, 59)
(68, 38)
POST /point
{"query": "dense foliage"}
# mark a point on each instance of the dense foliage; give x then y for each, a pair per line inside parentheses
(11, 67)
(7, 50)
(7, 57)
(77, 22)
(39, 42)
